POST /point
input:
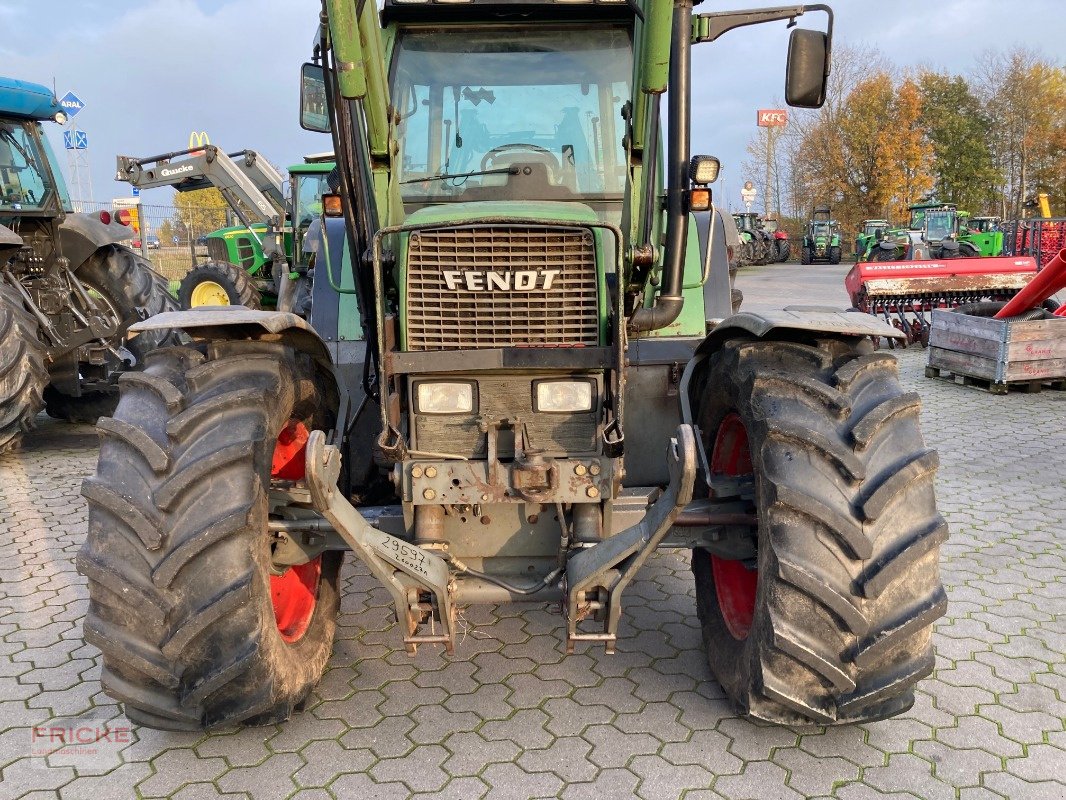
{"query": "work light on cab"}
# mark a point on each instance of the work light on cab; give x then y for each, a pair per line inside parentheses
(704, 169)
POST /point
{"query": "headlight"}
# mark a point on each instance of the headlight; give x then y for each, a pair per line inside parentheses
(445, 398)
(563, 396)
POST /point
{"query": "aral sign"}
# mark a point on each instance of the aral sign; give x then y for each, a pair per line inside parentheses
(772, 117)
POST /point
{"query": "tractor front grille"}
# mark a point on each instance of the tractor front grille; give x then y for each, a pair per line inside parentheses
(501, 286)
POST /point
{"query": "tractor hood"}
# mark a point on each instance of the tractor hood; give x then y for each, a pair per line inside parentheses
(466, 213)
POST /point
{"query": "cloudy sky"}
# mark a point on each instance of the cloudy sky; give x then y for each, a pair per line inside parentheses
(151, 71)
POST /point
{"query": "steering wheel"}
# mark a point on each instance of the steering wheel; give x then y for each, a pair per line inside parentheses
(495, 152)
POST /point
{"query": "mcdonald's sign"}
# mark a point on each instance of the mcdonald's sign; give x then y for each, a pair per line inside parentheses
(198, 140)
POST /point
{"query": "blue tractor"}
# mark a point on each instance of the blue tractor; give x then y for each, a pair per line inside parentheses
(69, 289)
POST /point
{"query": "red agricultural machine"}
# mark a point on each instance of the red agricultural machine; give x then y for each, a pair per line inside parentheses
(905, 293)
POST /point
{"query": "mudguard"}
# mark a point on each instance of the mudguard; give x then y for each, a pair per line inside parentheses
(775, 324)
(207, 323)
(81, 235)
(715, 241)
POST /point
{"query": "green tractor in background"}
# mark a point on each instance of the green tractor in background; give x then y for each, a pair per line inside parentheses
(236, 245)
(821, 243)
(757, 245)
(873, 231)
(935, 230)
(983, 233)
(261, 262)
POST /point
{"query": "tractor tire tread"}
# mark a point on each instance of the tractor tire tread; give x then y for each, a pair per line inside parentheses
(23, 376)
(849, 587)
(190, 541)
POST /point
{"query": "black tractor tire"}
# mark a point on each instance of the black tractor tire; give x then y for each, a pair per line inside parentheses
(805, 255)
(834, 255)
(240, 289)
(882, 254)
(135, 291)
(784, 250)
(178, 553)
(23, 376)
(848, 536)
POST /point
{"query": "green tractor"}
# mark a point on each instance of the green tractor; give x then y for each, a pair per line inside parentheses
(757, 245)
(236, 244)
(821, 242)
(934, 230)
(261, 262)
(984, 233)
(550, 387)
(873, 231)
(69, 286)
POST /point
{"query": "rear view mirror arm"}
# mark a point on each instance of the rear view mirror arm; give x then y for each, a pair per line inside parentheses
(708, 27)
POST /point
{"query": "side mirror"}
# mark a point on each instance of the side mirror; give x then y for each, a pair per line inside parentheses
(314, 115)
(807, 68)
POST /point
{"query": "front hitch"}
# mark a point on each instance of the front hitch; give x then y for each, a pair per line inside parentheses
(417, 579)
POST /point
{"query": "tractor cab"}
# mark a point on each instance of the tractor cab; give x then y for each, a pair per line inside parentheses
(821, 243)
(875, 228)
(31, 182)
(934, 222)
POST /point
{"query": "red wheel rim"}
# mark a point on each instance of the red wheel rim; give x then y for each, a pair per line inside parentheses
(294, 594)
(734, 583)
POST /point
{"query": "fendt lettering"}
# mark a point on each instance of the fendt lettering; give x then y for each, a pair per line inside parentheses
(525, 280)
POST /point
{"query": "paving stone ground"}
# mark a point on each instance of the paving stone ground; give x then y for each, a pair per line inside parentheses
(511, 716)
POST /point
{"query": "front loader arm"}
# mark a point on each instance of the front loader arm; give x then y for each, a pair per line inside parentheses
(252, 188)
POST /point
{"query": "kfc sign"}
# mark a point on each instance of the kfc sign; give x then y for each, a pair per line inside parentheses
(772, 117)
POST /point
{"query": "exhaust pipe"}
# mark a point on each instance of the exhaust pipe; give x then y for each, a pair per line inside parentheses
(668, 304)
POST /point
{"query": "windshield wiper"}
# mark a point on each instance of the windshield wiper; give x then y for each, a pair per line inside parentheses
(445, 175)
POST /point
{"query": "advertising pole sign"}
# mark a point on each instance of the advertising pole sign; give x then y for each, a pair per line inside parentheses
(771, 117)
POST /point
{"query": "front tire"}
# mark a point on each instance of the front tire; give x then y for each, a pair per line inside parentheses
(834, 255)
(194, 630)
(218, 283)
(22, 374)
(831, 620)
(784, 250)
(805, 255)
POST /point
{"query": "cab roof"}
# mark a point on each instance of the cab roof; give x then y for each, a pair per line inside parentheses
(27, 100)
(458, 10)
(313, 168)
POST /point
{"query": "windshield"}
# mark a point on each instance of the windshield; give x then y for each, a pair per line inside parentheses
(309, 191)
(939, 225)
(541, 111)
(25, 179)
(821, 228)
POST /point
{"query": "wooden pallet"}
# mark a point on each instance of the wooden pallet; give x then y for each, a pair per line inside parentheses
(996, 354)
(992, 387)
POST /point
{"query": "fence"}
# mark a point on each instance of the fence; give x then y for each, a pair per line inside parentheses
(172, 236)
(1037, 237)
